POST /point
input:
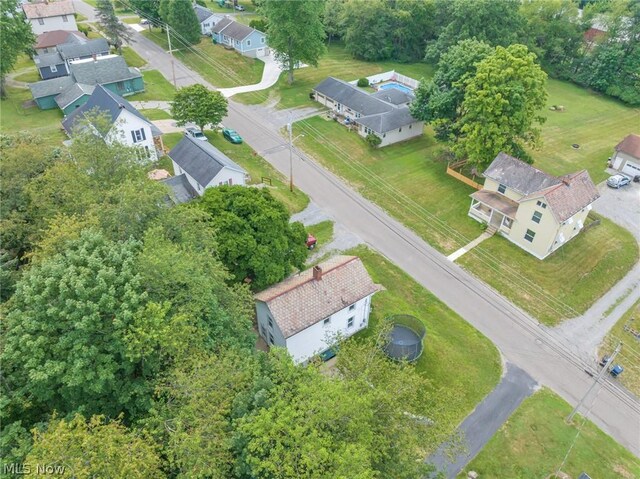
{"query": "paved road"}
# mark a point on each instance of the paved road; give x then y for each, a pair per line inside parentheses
(520, 338)
(515, 386)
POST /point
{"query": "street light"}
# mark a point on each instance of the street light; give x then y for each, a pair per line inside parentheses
(290, 128)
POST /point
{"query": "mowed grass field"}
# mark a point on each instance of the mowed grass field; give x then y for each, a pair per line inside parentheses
(337, 63)
(410, 182)
(461, 364)
(534, 441)
(629, 356)
(220, 67)
(156, 87)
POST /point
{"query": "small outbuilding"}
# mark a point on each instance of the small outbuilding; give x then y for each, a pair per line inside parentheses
(626, 156)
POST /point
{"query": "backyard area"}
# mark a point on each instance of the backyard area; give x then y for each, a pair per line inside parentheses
(627, 331)
(454, 391)
(409, 181)
(156, 87)
(535, 440)
(220, 67)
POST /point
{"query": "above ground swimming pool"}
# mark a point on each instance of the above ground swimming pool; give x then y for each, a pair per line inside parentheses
(397, 86)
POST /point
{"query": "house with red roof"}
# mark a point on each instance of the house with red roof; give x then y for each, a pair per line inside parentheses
(533, 209)
(307, 312)
(626, 156)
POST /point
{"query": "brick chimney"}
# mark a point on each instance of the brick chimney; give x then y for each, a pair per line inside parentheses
(317, 273)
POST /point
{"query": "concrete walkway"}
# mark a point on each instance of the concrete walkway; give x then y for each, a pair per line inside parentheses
(480, 426)
(465, 249)
(270, 75)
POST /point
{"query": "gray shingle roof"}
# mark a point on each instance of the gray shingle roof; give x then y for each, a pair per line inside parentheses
(202, 13)
(181, 189)
(103, 70)
(72, 93)
(201, 159)
(389, 121)
(518, 175)
(352, 97)
(48, 59)
(233, 29)
(301, 301)
(221, 25)
(99, 46)
(54, 86)
(394, 96)
(106, 101)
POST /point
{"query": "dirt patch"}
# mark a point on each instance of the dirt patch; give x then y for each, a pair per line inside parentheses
(620, 469)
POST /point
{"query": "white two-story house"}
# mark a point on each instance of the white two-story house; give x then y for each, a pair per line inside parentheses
(307, 312)
(49, 16)
(532, 209)
(128, 126)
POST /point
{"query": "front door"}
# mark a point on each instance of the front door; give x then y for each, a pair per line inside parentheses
(496, 219)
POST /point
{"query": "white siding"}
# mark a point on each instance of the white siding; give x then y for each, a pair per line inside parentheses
(121, 132)
(626, 164)
(401, 134)
(264, 328)
(227, 176)
(53, 23)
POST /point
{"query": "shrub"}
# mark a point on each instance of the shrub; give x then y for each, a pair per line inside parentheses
(363, 82)
(259, 24)
(373, 140)
(201, 3)
(84, 29)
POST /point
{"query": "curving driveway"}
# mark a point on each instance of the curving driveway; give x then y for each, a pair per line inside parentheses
(622, 206)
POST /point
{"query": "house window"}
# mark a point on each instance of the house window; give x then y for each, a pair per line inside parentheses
(529, 236)
(270, 322)
(399, 129)
(536, 216)
(248, 43)
(271, 338)
(352, 307)
(138, 135)
(326, 321)
(262, 332)
(541, 204)
(262, 40)
(120, 85)
(41, 21)
(54, 68)
(350, 322)
(501, 188)
(65, 19)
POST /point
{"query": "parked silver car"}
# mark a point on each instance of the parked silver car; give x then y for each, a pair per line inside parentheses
(618, 181)
(195, 133)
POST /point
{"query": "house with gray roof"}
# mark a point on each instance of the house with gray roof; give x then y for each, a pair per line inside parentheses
(181, 189)
(111, 71)
(127, 125)
(384, 113)
(204, 165)
(308, 311)
(244, 39)
(69, 52)
(206, 18)
(51, 65)
(537, 211)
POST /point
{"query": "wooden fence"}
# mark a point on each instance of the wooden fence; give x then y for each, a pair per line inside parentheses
(460, 177)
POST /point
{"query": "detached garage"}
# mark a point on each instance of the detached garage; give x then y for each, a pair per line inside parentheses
(626, 156)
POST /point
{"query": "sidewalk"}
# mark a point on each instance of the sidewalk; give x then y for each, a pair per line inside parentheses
(270, 76)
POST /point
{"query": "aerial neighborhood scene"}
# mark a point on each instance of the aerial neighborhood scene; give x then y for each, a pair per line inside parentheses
(356, 239)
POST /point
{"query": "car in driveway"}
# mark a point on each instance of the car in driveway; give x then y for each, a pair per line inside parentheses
(618, 181)
(240, 8)
(195, 133)
(231, 135)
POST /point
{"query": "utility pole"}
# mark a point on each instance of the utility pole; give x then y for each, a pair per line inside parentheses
(602, 373)
(290, 128)
(173, 67)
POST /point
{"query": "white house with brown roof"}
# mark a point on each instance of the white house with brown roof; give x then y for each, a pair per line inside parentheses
(49, 15)
(536, 211)
(626, 156)
(308, 311)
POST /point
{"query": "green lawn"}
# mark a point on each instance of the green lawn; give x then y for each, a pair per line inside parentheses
(155, 114)
(246, 18)
(131, 20)
(535, 440)
(221, 67)
(171, 139)
(322, 231)
(30, 76)
(629, 356)
(15, 118)
(258, 169)
(132, 58)
(595, 122)
(462, 364)
(156, 88)
(336, 62)
(214, 7)
(408, 181)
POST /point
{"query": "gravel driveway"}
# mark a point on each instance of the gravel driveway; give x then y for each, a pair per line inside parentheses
(621, 206)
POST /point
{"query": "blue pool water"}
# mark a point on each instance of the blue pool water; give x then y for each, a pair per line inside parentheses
(397, 86)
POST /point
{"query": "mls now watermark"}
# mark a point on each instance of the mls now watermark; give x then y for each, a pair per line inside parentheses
(33, 469)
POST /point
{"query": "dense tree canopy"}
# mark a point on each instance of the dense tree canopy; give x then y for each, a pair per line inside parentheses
(196, 104)
(117, 32)
(296, 33)
(16, 38)
(254, 237)
(181, 17)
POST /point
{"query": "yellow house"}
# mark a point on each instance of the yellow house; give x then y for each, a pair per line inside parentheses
(537, 211)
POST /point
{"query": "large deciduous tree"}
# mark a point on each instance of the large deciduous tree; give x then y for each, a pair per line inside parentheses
(16, 38)
(149, 9)
(296, 33)
(196, 104)
(94, 448)
(254, 237)
(501, 107)
(438, 101)
(117, 32)
(181, 17)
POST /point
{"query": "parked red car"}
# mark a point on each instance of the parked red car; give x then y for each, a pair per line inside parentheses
(311, 241)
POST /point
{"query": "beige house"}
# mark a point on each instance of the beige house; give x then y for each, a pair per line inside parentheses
(626, 156)
(537, 211)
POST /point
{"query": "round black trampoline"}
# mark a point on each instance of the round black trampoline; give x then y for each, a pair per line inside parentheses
(405, 339)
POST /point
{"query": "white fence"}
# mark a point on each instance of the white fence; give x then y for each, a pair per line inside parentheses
(391, 76)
